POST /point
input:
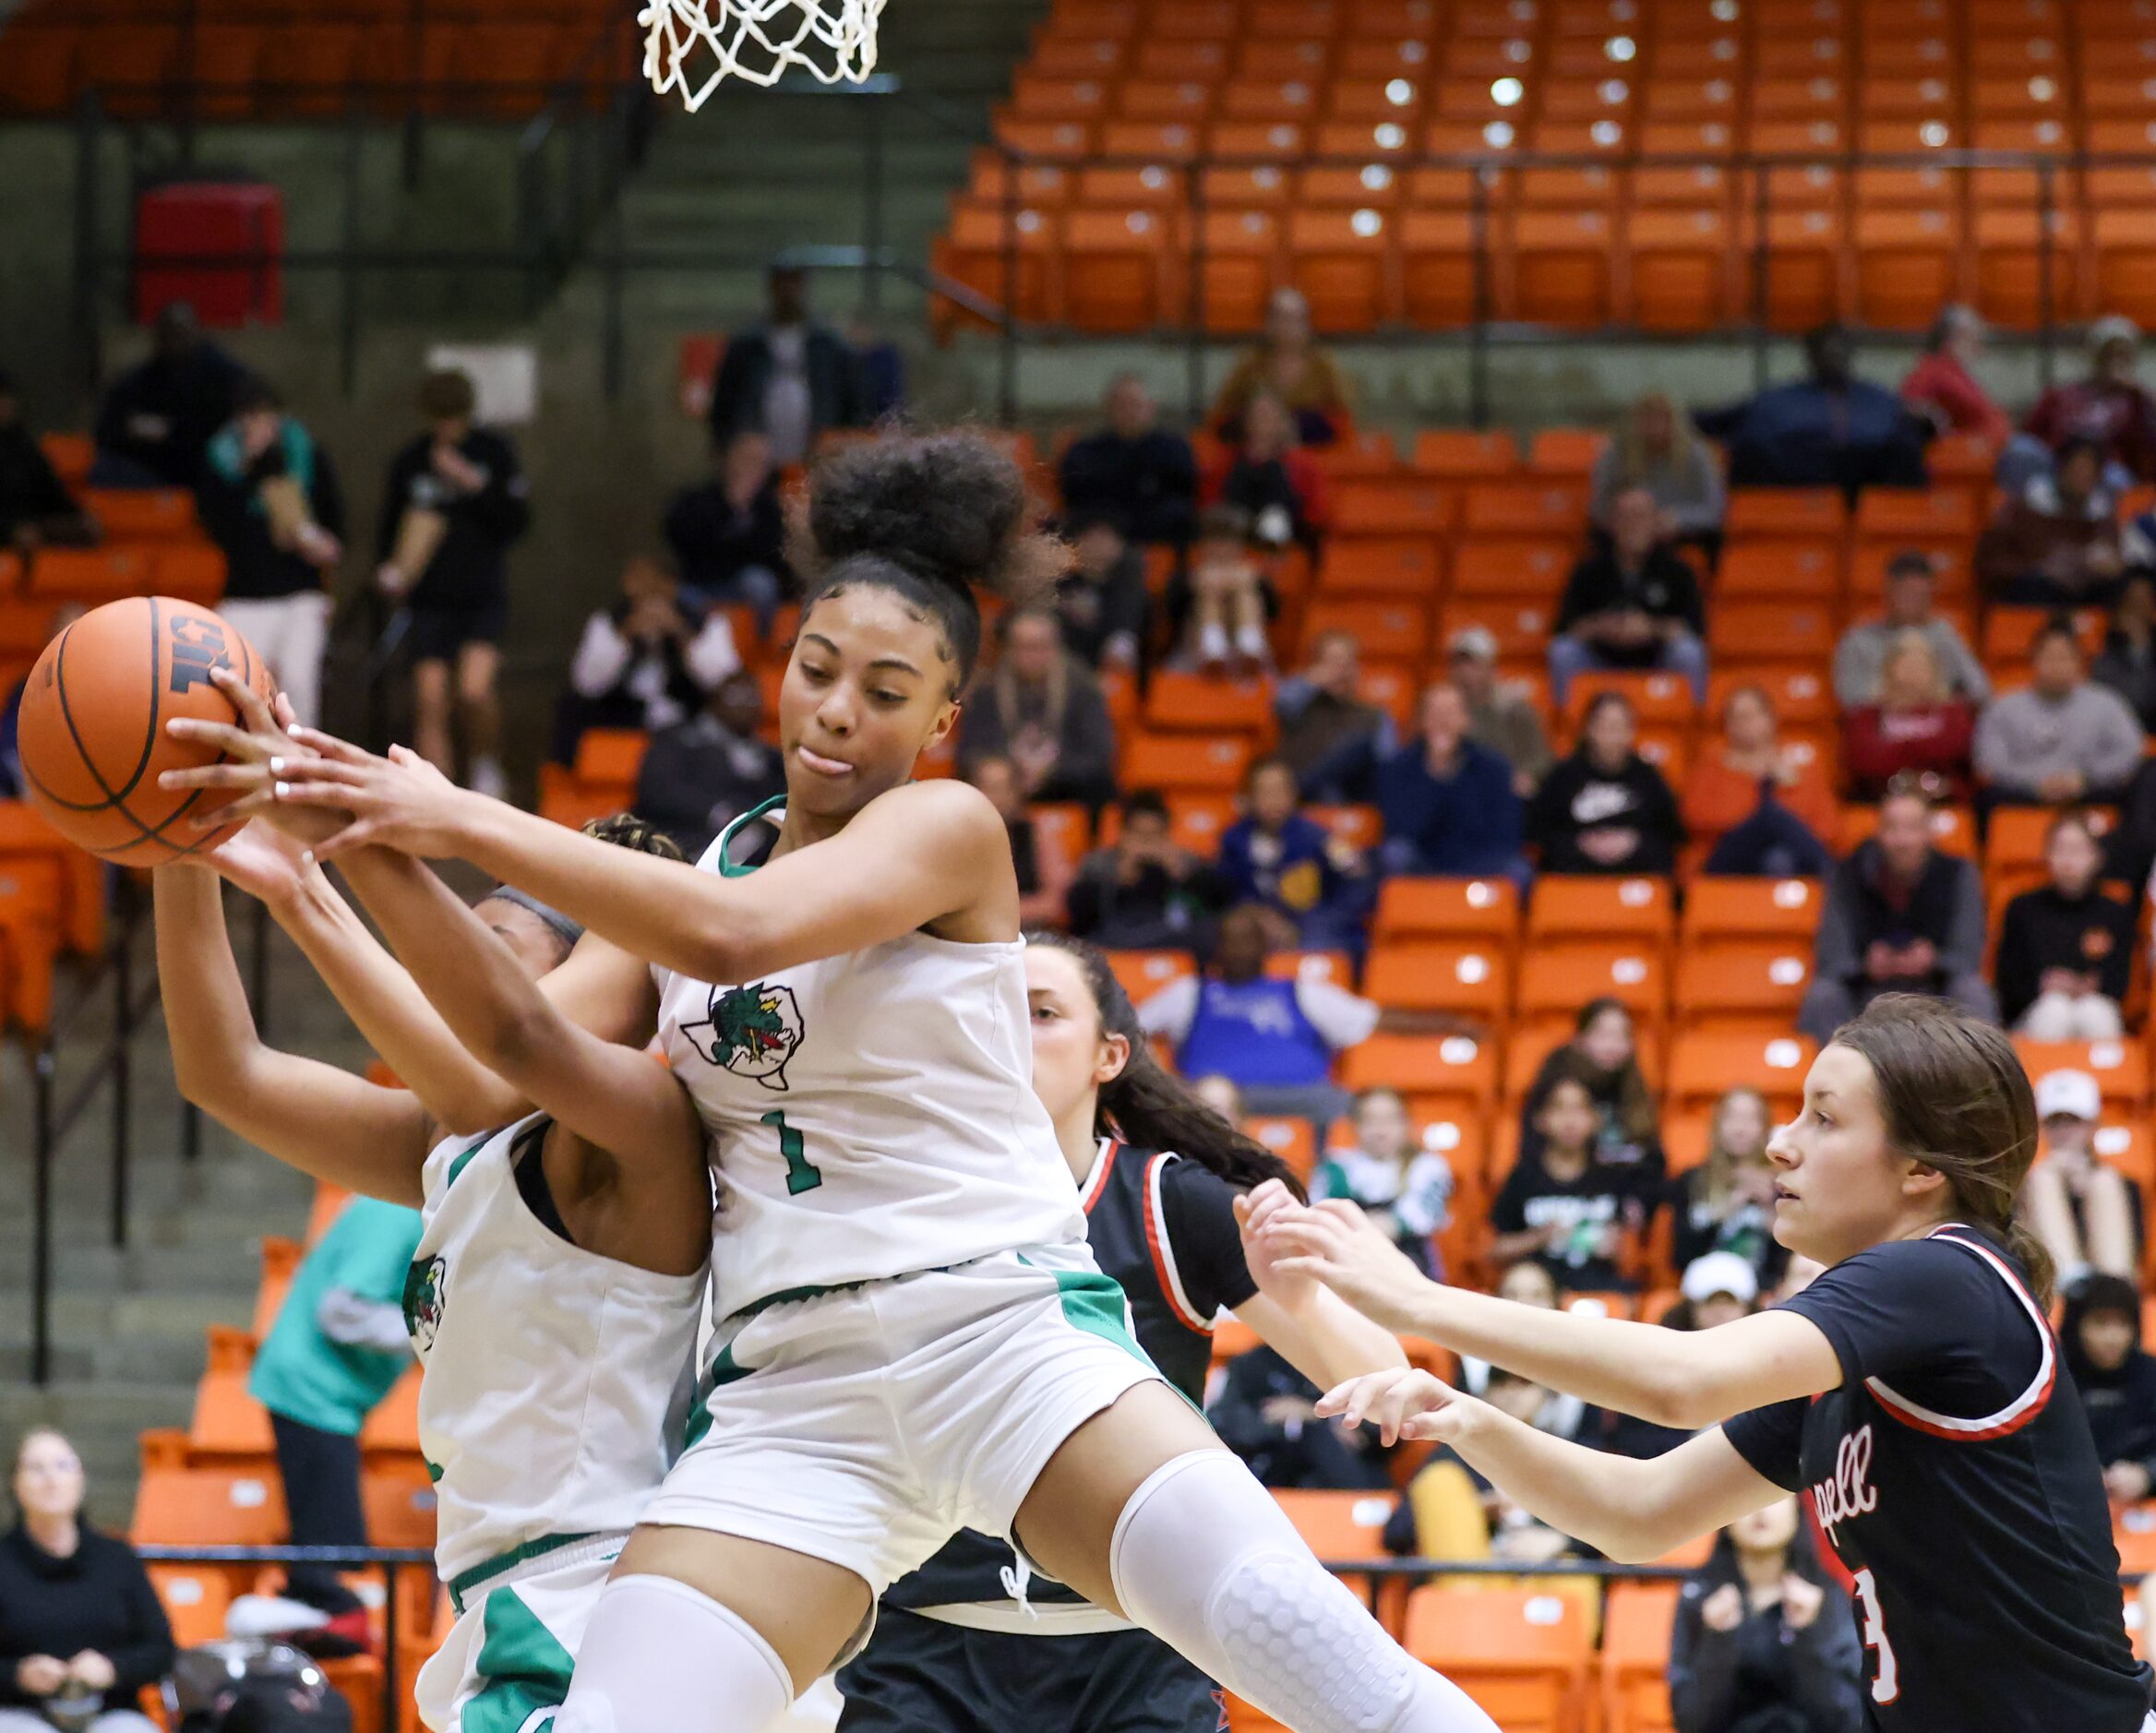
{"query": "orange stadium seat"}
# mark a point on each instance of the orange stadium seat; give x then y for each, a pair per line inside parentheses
(1353, 563)
(1772, 568)
(1485, 908)
(1462, 454)
(2120, 1068)
(1515, 569)
(1638, 911)
(1465, 977)
(1452, 1067)
(1291, 1139)
(228, 1421)
(1637, 1619)
(1521, 1652)
(1180, 700)
(1395, 632)
(1735, 986)
(1702, 1063)
(180, 1504)
(1393, 506)
(1718, 909)
(1556, 979)
(196, 1598)
(1192, 762)
(1144, 973)
(1342, 1528)
(1116, 270)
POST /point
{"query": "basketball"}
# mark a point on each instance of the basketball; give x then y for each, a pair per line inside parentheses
(93, 726)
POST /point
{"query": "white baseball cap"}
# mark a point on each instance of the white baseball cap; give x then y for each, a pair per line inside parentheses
(1720, 1273)
(2071, 1094)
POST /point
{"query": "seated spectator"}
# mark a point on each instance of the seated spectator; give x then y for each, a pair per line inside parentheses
(2126, 664)
(2100, 1339)
(1765, 806)
(1830, 429)
(1218, 610)
(1942, 386)
(1603, 1057)
(1561, 1205)
(1288, 363)
(155, 422)
(35, 505)
(1219, 1094)
(2066, 949)
(1901, 916)
(1044, 877)
(1717, 1287)
(2059, 738)
(1633, 605)
(2109, 406)
(1657, 450)
(703, 773)
(1527, 1282)
(1757, 1648)
(1102, 601)
(1042, 710)
(648, 662)
(1267, 1414)
(1331, 739)
(1500, 714)
(1279, 488)
(65, 615)
(1912, 728)
(2056, 544)
(1143, 892)
(1448, 805)
(269, 499)
(1727, 1203)
(2083, 1210)
(1278, 855)
(81, 1629)
(790, 377)
(1404, 1189)
(728, 536)
(1604, 808)
(1859, 660)
(1133, 471)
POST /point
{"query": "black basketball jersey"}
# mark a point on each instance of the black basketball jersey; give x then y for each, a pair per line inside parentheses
(1164, 1229)
(1954, 1475)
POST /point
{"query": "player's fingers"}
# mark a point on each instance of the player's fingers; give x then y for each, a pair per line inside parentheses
(222, 735)
(248, 776)
(356, 835)
(246, 807)
(329, 746)
(1313, 1267)
(253, 710)
(321, 772)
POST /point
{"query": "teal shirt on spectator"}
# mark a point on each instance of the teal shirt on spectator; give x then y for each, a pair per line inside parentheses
(301, 1373)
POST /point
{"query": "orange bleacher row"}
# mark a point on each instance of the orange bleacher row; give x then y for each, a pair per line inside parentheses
(1281, 138)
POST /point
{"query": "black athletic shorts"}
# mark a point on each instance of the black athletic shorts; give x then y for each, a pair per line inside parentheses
(440, 631)
(921, 1676)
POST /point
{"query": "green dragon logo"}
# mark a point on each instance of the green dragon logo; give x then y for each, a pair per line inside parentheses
(426, 1289)
(753, 1031)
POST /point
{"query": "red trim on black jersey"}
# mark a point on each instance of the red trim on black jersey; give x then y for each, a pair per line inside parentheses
(2017, 1414)
(1097, 1182)
(1157, 1242)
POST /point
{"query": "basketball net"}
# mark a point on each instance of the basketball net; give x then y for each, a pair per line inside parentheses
(835, 40)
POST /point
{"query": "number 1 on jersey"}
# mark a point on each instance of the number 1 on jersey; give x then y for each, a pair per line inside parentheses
(1887, 1686)
(801, 1173)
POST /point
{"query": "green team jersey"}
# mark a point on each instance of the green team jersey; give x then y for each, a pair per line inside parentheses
(301, 1373)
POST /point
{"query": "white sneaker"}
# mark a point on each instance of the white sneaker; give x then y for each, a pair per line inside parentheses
(1251, 645)
(1212, 645)
(270, 1616)
(485, 777)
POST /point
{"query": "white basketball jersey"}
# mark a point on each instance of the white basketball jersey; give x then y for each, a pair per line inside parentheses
(873, 1113)
(556, 1381)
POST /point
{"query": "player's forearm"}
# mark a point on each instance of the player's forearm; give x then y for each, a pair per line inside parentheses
(208, 1023)
(1322, 1337)
(1606, 1500)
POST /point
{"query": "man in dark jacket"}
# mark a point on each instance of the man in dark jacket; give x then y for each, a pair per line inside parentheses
(454, 502)
(1830, 430)
(1102, 600)
(1331, 739)
(1144, 892)
(1634, 605)
(789, 378)
(157, 418)
(729, 535)
(1900, 917)
(1266, 1412)
(35, 505)
(1449, 804)
(700, 775)
(1134, 470)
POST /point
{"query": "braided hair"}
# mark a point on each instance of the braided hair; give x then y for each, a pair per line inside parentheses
(1146, 1105)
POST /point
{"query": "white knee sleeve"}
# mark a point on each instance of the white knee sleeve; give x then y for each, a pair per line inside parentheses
(1206, 1561)
(660, 1657)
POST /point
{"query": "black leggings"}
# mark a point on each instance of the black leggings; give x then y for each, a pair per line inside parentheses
(321, 1495)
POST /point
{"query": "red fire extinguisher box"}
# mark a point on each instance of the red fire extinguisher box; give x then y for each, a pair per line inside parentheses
(216, 245)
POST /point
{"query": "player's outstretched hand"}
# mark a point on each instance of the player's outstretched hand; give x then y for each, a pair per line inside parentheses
(1253, 1209)
(253, 748)
(1339, 1246)
(268, 864)
(401, 802)
(1403, 1404)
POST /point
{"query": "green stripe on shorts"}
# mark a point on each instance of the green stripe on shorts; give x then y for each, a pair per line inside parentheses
(525, 1668)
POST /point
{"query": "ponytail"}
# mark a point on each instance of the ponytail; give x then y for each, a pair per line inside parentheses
(2032, 1255)
(1145, 1104)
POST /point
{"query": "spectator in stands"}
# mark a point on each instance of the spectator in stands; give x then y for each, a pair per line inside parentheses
(2126, 664)
(1219, 1094)
(1604, 808)
(269, 499)
(1500, 714)
(1561, 1205)
(1266, 476)
(81, 1629)
(1527, 1282)
(1042, 710)
(1765, 805)
(63, 617)
(1726, 1203)
(1912, 728)
(1267, 1414)
(156, 419)
(1756, 1648)
(728, 536)
(1330, 738)
(1657, 450)
(35, 505)
(648, 662)
(1288, 363)
(1133, 471)
(2060, 738)
(2100, 1339)
(1859, 660)
(1404, 1189)
(1603, 1058)
(2082, 1209)
(1632, 604)
(454, 503)
(1830, 429)
(1942, 385)
(703, 772)
(1145, 891)
(1717, 1287)
(1901, 916)
(2109, 406)
(1044, 874)
(1102, 600)
(1218, 609)
(791, 378)
(1448, 805)
(2056, 544)
(2066, 949)
(1278, 855)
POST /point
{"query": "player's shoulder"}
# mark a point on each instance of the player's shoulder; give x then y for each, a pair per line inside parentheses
(1950, 1266)
(946, 805)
